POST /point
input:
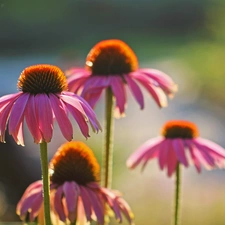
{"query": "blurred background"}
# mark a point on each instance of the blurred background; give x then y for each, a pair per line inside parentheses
(183, 38)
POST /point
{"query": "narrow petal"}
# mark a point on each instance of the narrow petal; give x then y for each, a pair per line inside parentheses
(80, 119)
(205, 160)
(58, 203)
(171, 159)
(140, 153)
(163, 80)
(193, 155)
(6, 99)
(118, 90)
(17, 113)
(136, 91)
(37, 202)
(86, 202)
(178, 147)
(4, 115)
(61, 117)
(71, 192)
(125, 208)
(44, 115)
(36, 186)
(32, 120)
(97, 205)
(210, 146)
(156, 92)
(163, 154)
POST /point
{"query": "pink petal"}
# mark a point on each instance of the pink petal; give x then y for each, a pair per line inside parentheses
(17, 113)
(118, 89)
(125, 208)
(91, 115)
(32, 120)
(171, 159)
(193, 155)
(71, 192)
(5, 100)
(58, 203)
(136, 91)
(163, 153)
(156, 92)
(61, 117)
(37, 202)
(110, 198)
(4, 115)
(81, 217)
(18, 134)
(178, 147)
(97, 205)
(211, 146)
(82, 123)
(139, 154)
(86, 202)
(163, 80)
(44, 115)
(34, 187)
(93, 97)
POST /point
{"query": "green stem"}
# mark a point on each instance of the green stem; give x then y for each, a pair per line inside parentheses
(177, 195)
(108, 145)
(45, 179)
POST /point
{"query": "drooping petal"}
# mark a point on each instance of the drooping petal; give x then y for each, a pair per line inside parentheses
(171, 159)
(163, 154)
(32, 120)
(97, 205)
(61, 117)
(37, 202)
(139, 154)
(44, 115)
(210, 146)
(178, 147)
(34, 187)
(125, 208)
(71, 192)
(58, 203)
(118, 90)
(194, 157)
(17, 113)
(5, 100)
(163, 80)
(86, 202)
(91, 115)
(4, 115)
(136, 91)
(156, 92)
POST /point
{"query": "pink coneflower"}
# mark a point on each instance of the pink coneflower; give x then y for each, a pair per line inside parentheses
(75, 193)
(179, 143)
(113, 64)
(43, 97)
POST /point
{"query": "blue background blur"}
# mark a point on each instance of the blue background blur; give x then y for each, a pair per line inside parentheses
(184, 38)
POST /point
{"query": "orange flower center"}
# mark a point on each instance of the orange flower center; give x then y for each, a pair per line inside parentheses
(42, 79)
(74, 161)
(111, 57)
(180, 129)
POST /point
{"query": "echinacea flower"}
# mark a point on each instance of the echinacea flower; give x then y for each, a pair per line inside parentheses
(179, 143)
(75, 193)
(113, 64)
(42, 98)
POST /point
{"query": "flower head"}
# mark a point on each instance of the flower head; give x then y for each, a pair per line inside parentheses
(113, 64)
(75, 192)
(179, 143)
(43, 97)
